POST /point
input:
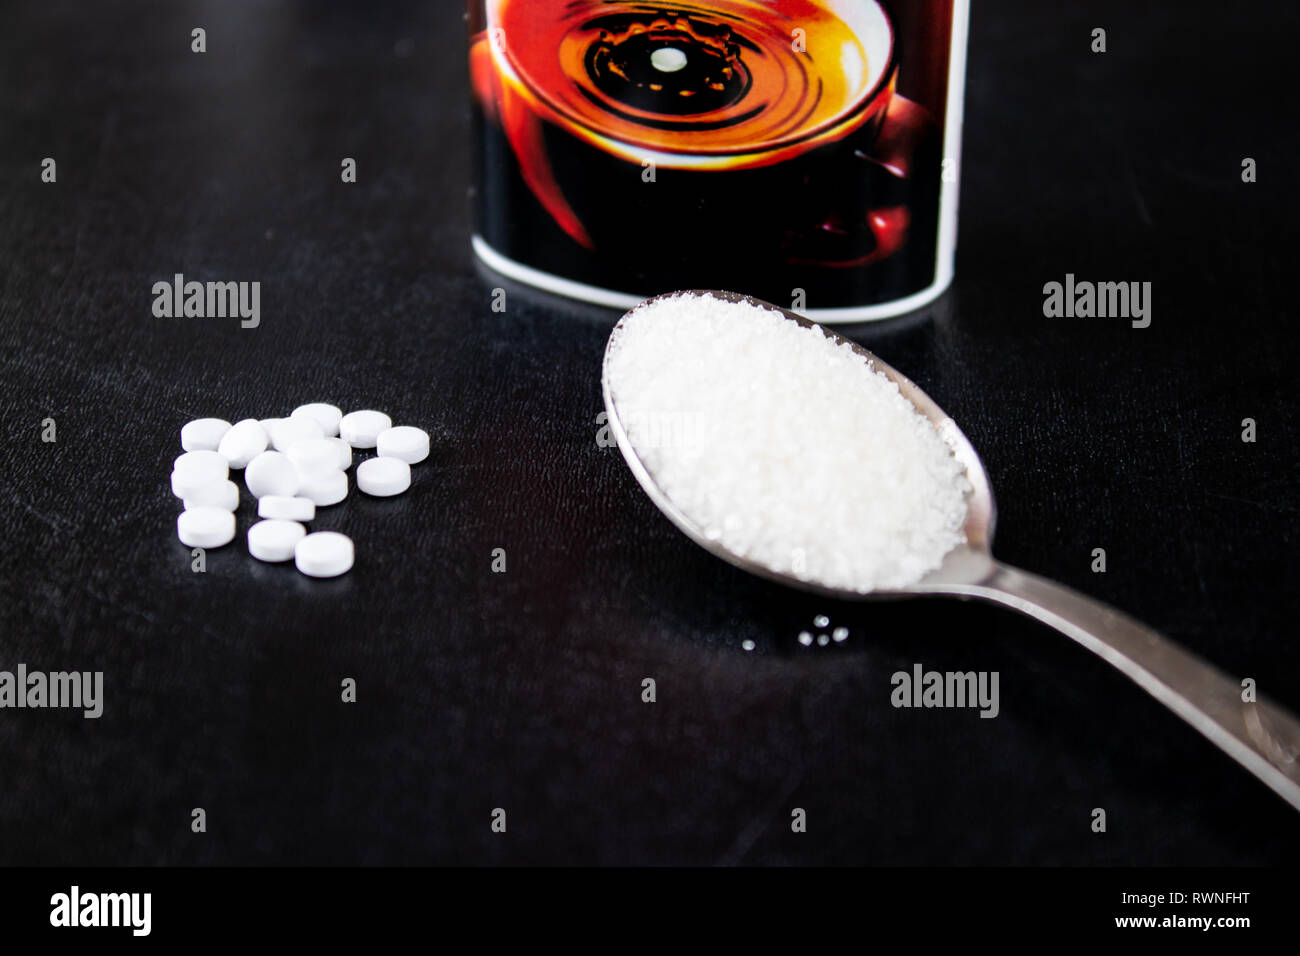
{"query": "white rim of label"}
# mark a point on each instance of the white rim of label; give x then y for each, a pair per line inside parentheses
(361, 429)
(406, 442)
(324, 554)
(383, 477)
(274, 539)
(206, 527)
(285, 508)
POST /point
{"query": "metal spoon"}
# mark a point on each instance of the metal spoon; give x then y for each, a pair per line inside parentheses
(1261, 736)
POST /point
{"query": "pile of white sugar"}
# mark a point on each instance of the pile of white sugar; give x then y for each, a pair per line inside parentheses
(785, 446)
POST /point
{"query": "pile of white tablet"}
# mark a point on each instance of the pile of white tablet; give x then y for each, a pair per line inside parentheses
(291, 466)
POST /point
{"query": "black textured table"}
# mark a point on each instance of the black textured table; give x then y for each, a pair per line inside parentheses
(523, 690)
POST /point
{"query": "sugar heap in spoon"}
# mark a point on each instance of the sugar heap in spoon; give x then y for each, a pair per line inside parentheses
(784, 446)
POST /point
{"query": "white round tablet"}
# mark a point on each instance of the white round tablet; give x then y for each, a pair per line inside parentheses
(214, 494)
(383, 477)
(184, 483)
(244, 442)
(206, 463)
(286, 432)
(316, 454)
(188, 484)
(361, 429)
(406, 442)
(324, 554)
(289, 509)
(274, 540)
(325, 415)
(323, 488)
(344, 451)
(271, 473)
(205, 527)
(203, 434)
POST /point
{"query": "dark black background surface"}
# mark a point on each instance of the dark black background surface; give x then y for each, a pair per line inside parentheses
(522, 691)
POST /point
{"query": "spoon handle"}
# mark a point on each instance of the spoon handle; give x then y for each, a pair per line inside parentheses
(1261, 736)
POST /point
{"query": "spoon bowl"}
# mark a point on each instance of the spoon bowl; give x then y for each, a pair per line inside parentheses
(965, 565)
(1260, 735)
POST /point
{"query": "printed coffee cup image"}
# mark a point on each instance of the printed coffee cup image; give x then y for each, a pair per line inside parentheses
(625, 149)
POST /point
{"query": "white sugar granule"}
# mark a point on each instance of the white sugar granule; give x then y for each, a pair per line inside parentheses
(786, 447)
